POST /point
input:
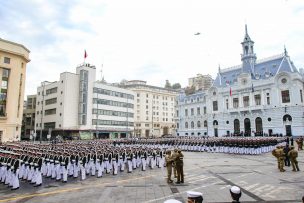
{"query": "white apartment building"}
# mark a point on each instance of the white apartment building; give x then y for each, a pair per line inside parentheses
(79, 106)
(258, 97)
(154, 109)
(200, 82)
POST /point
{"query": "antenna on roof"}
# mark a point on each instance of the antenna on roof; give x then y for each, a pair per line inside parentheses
(285, 51)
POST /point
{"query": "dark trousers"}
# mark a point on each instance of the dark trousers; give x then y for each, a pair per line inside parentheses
(287, 161)
(180, 173)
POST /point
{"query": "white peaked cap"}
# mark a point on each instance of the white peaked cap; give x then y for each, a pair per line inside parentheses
(194, 194)
(235, 190)
(172, 201)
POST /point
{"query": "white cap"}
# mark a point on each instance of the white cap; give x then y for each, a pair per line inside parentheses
(172, 201)
(194, 194)
(235, 190)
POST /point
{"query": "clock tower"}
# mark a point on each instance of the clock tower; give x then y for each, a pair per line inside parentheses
(248, 56)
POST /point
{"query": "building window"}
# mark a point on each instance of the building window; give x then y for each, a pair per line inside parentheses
(49, 125)
(51, 91)
(246, 101)
(192, 111)
(227, 104)
(51, 101)
(205, 124)
(198, 124)
(7, 60)
(235, 103)
(268, 98)
(177, 125)
(215, 107)
(186, 112)
(186, 125)
(147, 125)
(301, 96)
(285, 96)
(192, 124)
(257, 99)
(4, 91)
(138, 95)
(198, 111)
(205, 110)
(177, 113)
(50, 112)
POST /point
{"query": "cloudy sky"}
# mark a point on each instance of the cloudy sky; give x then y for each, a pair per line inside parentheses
(149, 40)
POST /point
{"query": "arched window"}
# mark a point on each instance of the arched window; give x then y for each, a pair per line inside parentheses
(198, 124)
(287, 117)
(205, 124)
(236, 124)
(259, 126)
(192, 124)
(215, 122)
(186, 125)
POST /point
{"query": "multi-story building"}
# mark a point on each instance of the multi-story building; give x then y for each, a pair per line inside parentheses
(254, 98)
(13, 60)
(28, 121)
(79, 106)
(200, 82)
(154, 109)
(191, 114)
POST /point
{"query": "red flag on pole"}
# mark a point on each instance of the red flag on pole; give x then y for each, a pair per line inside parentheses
(85, 54)
(230, 92)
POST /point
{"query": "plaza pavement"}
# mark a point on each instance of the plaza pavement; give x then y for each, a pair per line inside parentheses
(209, 173)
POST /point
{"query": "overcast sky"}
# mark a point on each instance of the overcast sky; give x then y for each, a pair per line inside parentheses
(149, 40)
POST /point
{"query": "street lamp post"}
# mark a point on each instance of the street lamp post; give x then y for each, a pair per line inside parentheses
(152, 119)
(42, 103)
(97, 115)
(127, 116)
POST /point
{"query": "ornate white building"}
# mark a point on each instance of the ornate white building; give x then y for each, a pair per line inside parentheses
(257, 97)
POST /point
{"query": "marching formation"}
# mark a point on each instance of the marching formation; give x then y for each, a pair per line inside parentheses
(231, 145)
(77, 159)
(31, 162)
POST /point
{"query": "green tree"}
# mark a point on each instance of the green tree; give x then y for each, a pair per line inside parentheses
(168, 85)
(176, 86)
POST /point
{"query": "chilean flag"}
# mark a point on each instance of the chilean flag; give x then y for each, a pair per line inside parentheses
(85, 54)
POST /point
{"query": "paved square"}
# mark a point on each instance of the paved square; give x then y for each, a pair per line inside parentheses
(209, 173)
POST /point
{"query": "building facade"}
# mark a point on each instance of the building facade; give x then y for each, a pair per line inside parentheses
(191, 114)
(154, 109)
(79, 106)
(258, 97)
(28, 120)
(13, 60)
(201, 82)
